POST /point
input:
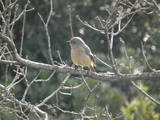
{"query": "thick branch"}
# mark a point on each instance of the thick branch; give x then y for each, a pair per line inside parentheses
(66, 69)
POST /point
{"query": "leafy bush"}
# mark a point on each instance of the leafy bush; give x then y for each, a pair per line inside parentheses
(141, 108)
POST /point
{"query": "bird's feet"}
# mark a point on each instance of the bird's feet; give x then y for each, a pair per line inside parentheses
(78, 67)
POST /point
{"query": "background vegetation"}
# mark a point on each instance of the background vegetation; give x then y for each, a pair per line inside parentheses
(122, 99)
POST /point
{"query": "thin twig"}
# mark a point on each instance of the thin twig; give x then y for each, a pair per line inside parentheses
(156, 4)
(145, 58)
(60, 58)
(66, 111)
(89, 89)
(104, 63)
(109, 116)
(110, 46)
(55, 92)
(2, 4)
(121, 29)
(70, 21)
(88, 25)
(47, 32)
(23, 27)
(146, 94)
(73, 87)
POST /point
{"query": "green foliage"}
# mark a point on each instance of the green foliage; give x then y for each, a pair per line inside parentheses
(141, 108)
(102, 96)
(5, 115)
(112, 94)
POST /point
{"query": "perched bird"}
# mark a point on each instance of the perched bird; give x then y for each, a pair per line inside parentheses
(81, 54)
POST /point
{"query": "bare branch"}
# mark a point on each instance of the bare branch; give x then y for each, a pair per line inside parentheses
(60, 58)
(102, 61)
(121, 29)
(66, 111)
(110, 46)
(23, 25)
(109, 116)
(11, 99)
(46, 30)
(2, 4)
(70, 21)
(145, 58)
(88, 25)
(11, 63)
(156, 4)
(57, 90)
(89, 89)
(146, 94)
(66, 69)
(21, 14)
(73, 87)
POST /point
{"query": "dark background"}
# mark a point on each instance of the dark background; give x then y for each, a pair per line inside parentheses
(121, 97)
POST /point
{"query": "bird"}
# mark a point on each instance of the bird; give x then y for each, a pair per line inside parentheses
(81, 54)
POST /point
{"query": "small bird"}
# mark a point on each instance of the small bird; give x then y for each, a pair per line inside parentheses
(81, 54)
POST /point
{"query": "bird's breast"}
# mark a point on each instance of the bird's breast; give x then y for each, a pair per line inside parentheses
(79, 57)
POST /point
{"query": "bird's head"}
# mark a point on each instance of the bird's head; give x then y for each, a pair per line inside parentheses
(76, 42)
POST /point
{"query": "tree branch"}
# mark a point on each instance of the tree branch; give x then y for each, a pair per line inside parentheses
(66, 69)
(11, 99)
(144, 93)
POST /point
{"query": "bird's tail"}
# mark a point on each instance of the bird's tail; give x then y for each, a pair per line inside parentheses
(92, 68)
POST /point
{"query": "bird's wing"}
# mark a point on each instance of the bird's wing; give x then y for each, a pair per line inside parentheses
(88, 52)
